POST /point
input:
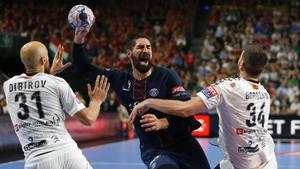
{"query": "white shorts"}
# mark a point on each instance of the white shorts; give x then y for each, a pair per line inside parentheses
(271, 164)
(72, 159)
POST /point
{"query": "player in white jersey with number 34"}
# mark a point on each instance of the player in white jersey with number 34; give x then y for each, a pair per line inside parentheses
(38, 103)
(243, 106)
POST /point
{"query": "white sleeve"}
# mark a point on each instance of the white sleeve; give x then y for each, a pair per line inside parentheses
(70, 103)
(5, 88)
(210, 97)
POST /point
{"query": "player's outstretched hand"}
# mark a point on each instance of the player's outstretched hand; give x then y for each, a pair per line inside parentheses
(151, 123)
(80, 35)
(57, 63)
(138, 109)
(99, 93)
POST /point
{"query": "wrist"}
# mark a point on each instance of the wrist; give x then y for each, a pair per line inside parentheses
(52, 72)
(79, 40)
(95, 102)
(147, 102)
(164, 123)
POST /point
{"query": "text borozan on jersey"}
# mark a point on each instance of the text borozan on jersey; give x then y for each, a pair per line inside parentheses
(257, 95)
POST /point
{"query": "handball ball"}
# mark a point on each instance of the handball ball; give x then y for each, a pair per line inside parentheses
(80, 17)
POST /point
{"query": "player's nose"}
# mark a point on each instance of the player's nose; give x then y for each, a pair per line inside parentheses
(146, 50)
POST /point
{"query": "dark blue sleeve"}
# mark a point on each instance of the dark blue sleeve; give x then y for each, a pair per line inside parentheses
(177, 92)
(84, 68)
(175, 86)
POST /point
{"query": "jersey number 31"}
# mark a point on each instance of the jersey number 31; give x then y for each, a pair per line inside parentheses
(22, 97)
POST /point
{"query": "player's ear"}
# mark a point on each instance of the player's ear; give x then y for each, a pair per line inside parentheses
(43, 60)
(128, 53)
(242, 66)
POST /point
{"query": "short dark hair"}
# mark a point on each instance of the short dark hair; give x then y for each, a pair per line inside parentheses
(255, 59)
(132, 40)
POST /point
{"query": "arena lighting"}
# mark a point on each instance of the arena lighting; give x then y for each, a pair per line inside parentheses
(206, 8)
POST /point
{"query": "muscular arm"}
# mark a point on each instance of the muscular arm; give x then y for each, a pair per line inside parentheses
(177, 92)
(176, 107)
(172, 107)
(89, 115)
(80, 60)
(83, 65)
(173, 123)
(85, 68)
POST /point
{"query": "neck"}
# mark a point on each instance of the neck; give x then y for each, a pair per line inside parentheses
(34, 70)
(140, 76)
(247, 77)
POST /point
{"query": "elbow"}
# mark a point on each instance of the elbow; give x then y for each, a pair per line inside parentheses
(90, 121)
(181, 112)
(185, 113)
(80, 70)
(86, 123)
(86, 117)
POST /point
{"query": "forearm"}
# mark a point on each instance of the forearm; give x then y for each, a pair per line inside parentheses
(172, 107)
(80, 60)
(83, 65)
(89, 115)
(176, 107)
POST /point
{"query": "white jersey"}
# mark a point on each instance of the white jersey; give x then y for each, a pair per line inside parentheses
(37, 106)
(243, 108)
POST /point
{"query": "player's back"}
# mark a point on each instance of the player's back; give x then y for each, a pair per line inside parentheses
(244, 108)
(35, 107)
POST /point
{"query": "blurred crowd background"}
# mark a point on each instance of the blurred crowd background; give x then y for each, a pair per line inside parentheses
(201, 40)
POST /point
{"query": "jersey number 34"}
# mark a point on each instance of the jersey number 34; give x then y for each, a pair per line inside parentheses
(257, 117)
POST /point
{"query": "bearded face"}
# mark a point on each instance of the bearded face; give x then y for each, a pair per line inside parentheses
(142, 62)
(142, 55)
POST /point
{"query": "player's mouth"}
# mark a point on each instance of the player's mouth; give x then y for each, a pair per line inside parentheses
(144, 59)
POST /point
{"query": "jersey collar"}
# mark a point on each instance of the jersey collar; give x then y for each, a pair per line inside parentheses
(253, 81)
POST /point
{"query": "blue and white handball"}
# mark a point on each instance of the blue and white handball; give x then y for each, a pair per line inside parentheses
(81, 17)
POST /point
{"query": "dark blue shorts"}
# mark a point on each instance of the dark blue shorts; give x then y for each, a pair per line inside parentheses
(163, 162)
(186, 155)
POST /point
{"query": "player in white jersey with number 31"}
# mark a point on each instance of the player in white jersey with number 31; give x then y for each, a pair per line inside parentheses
(243, 106)
(38, 103)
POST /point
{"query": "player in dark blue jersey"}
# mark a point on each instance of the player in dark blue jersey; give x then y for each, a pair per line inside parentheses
(165, 140)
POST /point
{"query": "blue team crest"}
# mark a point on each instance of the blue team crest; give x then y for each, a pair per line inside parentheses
(153, 92)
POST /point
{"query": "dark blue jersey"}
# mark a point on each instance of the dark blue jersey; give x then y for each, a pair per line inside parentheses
(162, 83)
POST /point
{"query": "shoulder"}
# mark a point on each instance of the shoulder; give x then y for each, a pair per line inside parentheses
(226, 84)
(166, 71)
(114, 73)
(11, 80)
(226, 81)
(55, 79)
(162, 69)
(54, 82)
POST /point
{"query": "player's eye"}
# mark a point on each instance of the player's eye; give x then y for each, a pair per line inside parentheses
(140, 47)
